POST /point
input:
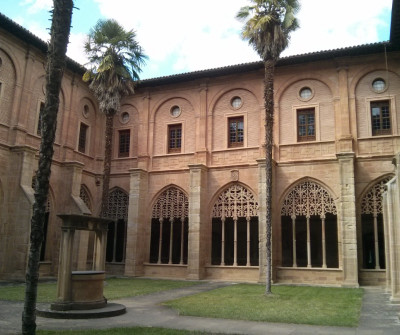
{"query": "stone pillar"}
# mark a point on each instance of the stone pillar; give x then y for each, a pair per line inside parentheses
(199, 224)
(392, 219)
(65, 265)
(347, 220)
(138, 226)
(18, 200)
(262, 212)
(201, 127)
(70, 184)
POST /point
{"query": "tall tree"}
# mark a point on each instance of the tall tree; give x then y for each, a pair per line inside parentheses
(116, 59)
(60, 29)
(267, 26)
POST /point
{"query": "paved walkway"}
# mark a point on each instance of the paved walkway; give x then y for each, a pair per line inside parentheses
(378, 317)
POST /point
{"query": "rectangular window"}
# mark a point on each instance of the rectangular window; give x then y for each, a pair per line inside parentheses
(124, 143)
(380, 118)
(306, 125)
(174, 138)
(236, 132)
(39, 125)
(82, 138)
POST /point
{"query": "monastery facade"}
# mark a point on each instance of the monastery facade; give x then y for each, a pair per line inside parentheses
(188, 171)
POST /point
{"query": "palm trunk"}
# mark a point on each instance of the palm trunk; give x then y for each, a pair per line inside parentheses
(107, 162)
(60, 29)
(269, 67)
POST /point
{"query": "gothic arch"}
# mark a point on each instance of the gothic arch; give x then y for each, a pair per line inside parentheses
(117, 210)
(169, 227)
(305, 180)
(372, 227)
(86, 197)
(234, 221)
(309, 226)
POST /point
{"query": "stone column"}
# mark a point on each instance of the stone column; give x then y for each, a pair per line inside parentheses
(138, 228)
(262, 210)
(392, 218)
(345, 141)
(199, 225)
(347, 220)
(65, 266)
(201, 127)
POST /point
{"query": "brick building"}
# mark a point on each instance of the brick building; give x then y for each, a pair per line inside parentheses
(187, 183)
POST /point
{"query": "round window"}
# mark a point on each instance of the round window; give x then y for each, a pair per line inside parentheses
(85, 111)
(305, 93)
(236, 102)
(125, 117)
(175, 111)
(379, 85)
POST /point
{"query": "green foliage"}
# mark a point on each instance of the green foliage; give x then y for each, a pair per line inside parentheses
(268, 24)
(115, 61)
(114, 288)
(287, 304)
(122, 331)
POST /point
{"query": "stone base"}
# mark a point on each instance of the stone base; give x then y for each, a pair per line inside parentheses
(68, 306)
(109, 310)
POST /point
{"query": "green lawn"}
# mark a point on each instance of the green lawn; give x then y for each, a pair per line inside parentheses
(288, 304)
(121, 331)
(115, 288)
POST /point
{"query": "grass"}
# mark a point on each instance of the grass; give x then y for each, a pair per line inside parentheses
(121, 331)
(288, 304)
(115, 288)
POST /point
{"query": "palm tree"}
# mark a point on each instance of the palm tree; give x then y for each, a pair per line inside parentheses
(115, 58)
(267, 26)
(60, 28)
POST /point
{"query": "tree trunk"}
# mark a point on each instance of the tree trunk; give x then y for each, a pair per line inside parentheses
(269, 67)
(107, 162)
(60, 29)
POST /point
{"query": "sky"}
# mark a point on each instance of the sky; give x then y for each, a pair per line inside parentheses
(182, 36)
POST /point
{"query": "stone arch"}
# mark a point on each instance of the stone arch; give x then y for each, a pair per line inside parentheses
(234, 220)
(309, 226)
(214, 101)
(320, 103)
(323, 79)
(161, 120)
(164, 101)
(86, 197)
(372, 227)
(117, 210)
(364, 96)
(249, 112)
(8, 80)
(131, 126)
(169, 227)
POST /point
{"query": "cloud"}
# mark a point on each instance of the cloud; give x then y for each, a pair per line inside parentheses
(35, 6)
(183, 36)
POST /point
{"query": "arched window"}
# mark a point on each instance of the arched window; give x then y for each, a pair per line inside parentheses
(84, 195)
(117, 210)
(309, 228)
(373, 244)
(235, 228)
(169, 228)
